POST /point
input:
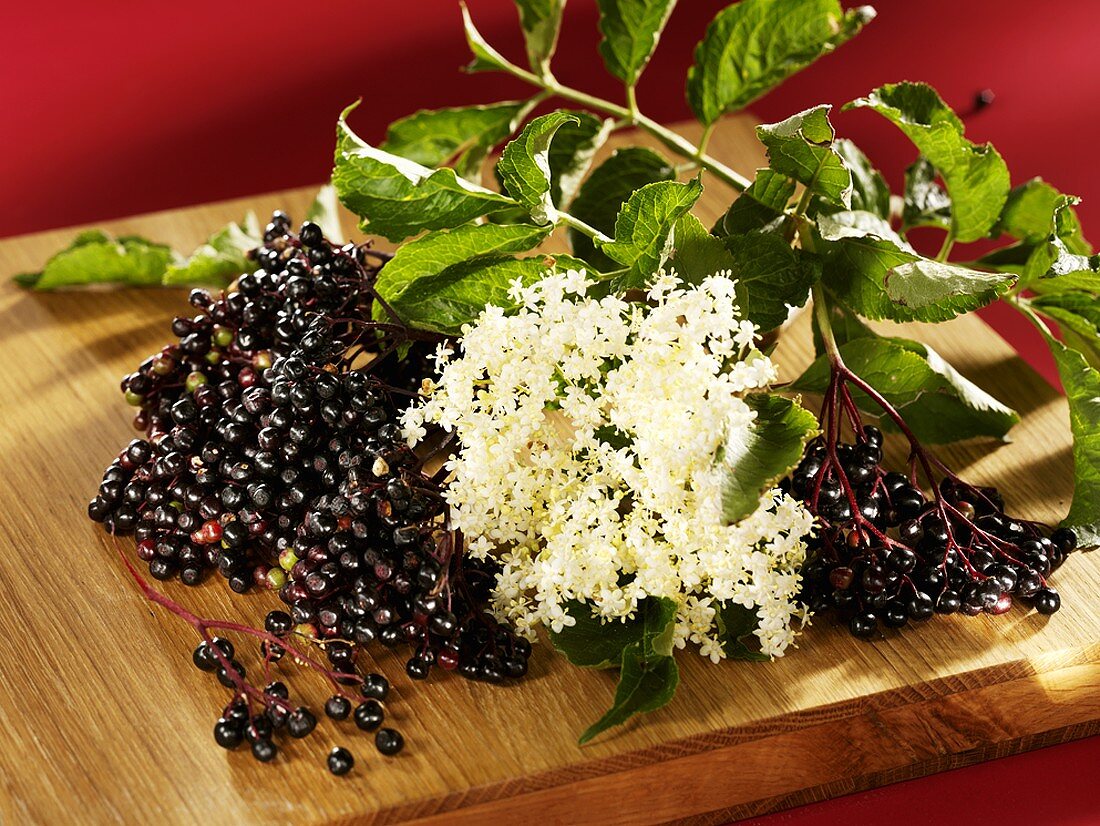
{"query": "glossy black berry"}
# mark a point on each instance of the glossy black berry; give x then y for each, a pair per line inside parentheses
(375, 686)
(301, 723)
(278, 623)
(389, 741)
(264, 751)
(337, 707)
(369, 715)
(1047, 601)
(228, 734)
(340, 761)
(863, 625)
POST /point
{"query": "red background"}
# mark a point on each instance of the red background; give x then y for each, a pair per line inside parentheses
(126, 106)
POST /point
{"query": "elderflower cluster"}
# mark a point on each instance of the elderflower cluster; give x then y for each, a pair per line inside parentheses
(594, 435)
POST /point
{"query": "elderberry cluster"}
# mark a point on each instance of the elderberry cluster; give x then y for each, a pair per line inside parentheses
(886, 554)
(277, 715)
(273, 456)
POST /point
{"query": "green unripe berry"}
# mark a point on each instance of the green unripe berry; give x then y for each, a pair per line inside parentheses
(194, 381)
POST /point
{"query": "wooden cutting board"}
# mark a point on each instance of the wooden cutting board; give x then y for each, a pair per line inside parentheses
(103, 717)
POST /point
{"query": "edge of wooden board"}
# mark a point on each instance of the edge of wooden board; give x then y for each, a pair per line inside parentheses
(839, 749)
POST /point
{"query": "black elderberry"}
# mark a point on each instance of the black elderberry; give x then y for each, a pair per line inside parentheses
(204, 658)
(1047, 601)
(278, 623)
(389, 741)
(264, 751)
(226, 677)
(301, 723)
(259, 728)
(228, 734)
(337, 707)
(375, 686)
(277, 689)
(417, 668)
(863, 625)
(263, 444)
(895, 615)
(340, 761)
(1064, 539)
(369, 715)
(948, 602)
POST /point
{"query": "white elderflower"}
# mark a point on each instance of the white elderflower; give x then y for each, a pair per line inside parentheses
(588, 435)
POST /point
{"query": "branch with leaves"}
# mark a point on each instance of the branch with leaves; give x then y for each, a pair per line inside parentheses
(818, 221)
(820, 218)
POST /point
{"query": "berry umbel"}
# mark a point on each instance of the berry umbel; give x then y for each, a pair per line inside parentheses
(272, 455)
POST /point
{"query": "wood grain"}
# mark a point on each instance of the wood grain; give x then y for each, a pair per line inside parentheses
(105, 720)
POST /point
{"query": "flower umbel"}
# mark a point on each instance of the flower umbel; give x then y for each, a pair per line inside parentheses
(590, 432)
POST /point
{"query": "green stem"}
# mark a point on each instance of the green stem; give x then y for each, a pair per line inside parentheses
(632, 101)
(948, 243)
(682, 146)
(704, 139)
(825, 325)
(581, 226)
(1023, 306)
(804, 202)
(673, 140)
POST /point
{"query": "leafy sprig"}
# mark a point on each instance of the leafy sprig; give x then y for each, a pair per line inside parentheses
(818, 221)
(95, 258)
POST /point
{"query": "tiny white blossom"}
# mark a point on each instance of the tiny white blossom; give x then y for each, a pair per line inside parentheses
(589, 431)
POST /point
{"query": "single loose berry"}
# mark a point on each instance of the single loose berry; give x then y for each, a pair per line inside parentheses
(340, 761)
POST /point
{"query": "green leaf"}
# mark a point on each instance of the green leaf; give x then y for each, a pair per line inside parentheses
(801, 147)
(571, 153)
(876, 273)
(432, 254)
(486, 58)
(324, 211)
(445, 302)
(94, 257)
(870, 191)
(524, 165)
(593, 642)
(221, 259)
(976, 176)
(760, 206)
(645, 684)
(936, 401)
(925, 283)
(631, 29)
(774, 447)
(1082, 386)
(1078, 315)
(926, 202)
(397, 198)
(1011, 258)
(771, 277)
(645, 229)
(465, 135)
(88, 236)
(541, 21)
(641, 647)
(1028, 213)
(1052, 265)
(457, 272)
(735, 625)
(697, 254)
(753, 46)
(603, 194)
